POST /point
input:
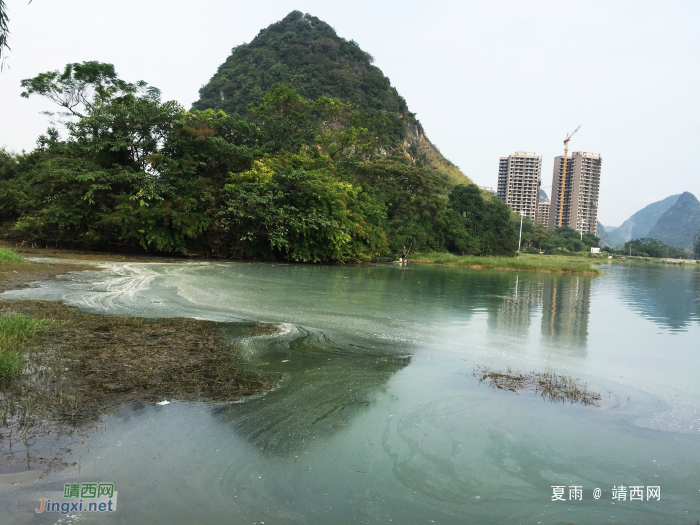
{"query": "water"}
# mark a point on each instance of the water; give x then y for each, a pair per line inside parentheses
(378, 418)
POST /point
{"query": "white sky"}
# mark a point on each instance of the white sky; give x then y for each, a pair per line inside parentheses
(486, 78)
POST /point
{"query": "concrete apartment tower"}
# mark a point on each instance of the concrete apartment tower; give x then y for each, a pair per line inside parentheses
(543, 213)
(519, 182)
(580, 207)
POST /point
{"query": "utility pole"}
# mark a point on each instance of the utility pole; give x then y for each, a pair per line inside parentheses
(521, 231)
(563, 177)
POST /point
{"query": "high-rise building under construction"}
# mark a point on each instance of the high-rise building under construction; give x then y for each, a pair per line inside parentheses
(519, 182)
(578, 209)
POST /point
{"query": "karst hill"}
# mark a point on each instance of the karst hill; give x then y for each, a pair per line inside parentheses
(305, 54)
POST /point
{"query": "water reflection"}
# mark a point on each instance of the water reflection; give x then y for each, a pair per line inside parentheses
(670, 297)
(416, 443)
(561, 303)
(511, 313)
(566, 306)
(322, 385)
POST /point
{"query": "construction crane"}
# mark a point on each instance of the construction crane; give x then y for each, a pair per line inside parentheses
(563, 177)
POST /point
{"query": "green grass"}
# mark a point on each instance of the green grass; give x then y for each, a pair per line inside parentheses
(15, 332)
(7, 256)
(524, 262)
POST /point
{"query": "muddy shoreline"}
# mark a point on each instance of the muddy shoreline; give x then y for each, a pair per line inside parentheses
(85, 366)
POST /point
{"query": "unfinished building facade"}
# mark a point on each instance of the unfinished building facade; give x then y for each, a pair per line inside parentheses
(543, 213)
(519, 182)
(579, 209)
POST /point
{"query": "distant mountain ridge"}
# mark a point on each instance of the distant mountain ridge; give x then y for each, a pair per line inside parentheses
(638, 225)
(305, 54)
(680, 223)
(674, 220)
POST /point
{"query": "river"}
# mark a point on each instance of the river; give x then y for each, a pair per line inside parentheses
(379, 418)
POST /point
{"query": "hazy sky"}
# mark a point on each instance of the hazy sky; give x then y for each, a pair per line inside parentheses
(486, 78)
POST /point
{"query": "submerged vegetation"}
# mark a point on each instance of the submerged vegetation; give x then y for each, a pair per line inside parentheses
(528, 263)
(549, 385)
(87, 365)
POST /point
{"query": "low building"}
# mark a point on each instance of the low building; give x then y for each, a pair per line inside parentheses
(543, 213)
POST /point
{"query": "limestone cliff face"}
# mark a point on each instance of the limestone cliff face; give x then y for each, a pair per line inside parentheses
(419, 148)
(307, 55)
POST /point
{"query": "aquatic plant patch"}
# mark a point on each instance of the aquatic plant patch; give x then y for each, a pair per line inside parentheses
(550, 385)
(88, 365)
(16, 330)
(9, 256)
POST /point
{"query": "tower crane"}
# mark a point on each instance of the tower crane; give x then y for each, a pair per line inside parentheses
(563, 177)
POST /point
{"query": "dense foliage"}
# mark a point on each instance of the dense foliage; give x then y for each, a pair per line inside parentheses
(651, 248)
(295, 179)
(536, 238)
(306, 55)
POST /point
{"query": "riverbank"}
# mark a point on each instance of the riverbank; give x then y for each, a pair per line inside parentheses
(661, 260)
(524, 262)
(14, 275)
(66, 368)
(81, 366)
(85, 255)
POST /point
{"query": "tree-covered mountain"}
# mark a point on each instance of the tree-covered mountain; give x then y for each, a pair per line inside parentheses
(305, 54)
(680, 223)
(638, 225)
(295, 177)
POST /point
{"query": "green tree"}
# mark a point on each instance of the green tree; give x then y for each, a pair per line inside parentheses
(294, 208)
(4, 33)
(80, 87)
(468, 202)
(116, 121)
(696, 246)
(648, 247)
(293, 179)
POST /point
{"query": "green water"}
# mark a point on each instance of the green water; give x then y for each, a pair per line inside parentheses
(378, 417)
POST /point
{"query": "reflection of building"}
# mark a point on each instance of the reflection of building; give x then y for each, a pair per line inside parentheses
(510, 314)
(543, 213)
(519, 182)
(566, 304)
(580, 209)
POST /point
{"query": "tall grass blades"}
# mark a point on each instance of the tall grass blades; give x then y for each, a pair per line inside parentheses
(8, 256)
(15, 332)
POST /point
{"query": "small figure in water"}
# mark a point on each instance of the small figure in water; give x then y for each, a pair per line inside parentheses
(404, 252)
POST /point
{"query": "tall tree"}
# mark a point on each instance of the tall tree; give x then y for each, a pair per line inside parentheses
(4, 33)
